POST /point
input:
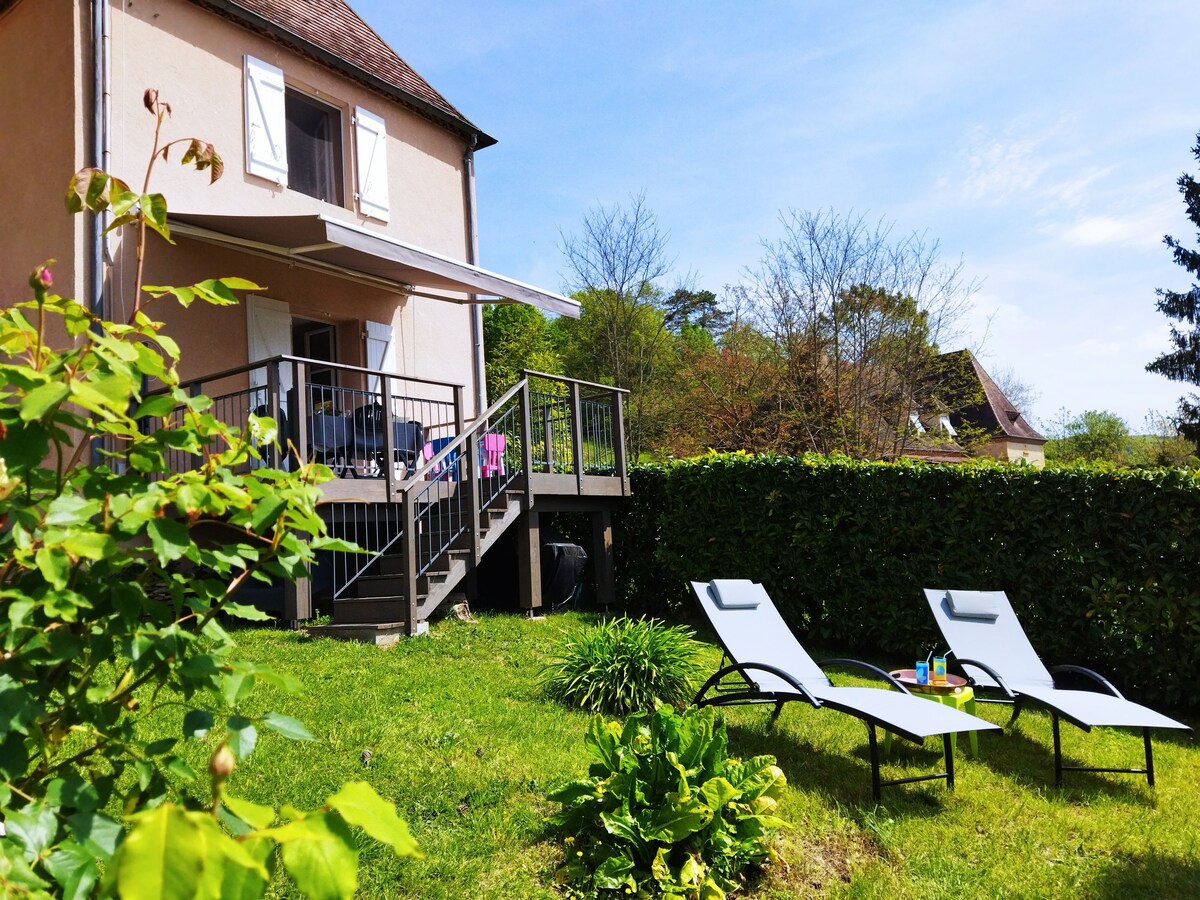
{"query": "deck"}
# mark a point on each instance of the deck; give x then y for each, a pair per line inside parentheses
(423, 491)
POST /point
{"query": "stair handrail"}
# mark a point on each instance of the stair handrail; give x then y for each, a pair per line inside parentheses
(533, 373)
(455, 444)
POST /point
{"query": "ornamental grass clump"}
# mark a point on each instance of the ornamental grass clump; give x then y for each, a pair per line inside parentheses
(624, 665)
(664, 812)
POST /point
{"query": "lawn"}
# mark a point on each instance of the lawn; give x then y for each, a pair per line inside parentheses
(462, 740)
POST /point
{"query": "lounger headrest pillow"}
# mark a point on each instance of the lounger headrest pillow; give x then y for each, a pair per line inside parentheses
(735, 593)
(972, 605)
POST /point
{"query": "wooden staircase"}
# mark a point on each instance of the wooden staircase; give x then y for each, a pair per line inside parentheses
(375, 606)
(427, 531)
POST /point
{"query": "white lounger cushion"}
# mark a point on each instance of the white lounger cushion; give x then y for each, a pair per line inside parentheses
(973, 604)
(736, 593)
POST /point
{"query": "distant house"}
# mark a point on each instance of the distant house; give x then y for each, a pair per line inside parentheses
(972, 404)
(349, 195)
(929, 435)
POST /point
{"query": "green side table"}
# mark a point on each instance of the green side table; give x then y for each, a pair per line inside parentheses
(956, 692)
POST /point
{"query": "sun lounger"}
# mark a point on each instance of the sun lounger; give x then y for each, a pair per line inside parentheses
(988, 642)
(775, 668)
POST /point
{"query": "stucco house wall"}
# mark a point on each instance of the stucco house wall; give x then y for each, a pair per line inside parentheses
(41, 143)
(196, 59)
(1017, 451)
(197, 62)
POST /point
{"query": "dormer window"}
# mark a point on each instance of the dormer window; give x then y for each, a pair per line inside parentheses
(915, 421)
(944, 424)
(314, 147)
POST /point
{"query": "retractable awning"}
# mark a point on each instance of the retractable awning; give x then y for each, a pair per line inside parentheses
(340, 247)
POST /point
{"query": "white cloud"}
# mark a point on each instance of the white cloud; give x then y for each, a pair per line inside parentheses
(1094, 347)
(1140, 228)
(1074, 191)
(997, 168)
(1157, 340)
(1094, 231)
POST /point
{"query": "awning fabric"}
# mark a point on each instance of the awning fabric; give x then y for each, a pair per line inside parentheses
(349, 248)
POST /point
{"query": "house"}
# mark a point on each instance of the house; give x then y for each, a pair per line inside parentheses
(963, 405)
(1006, 434)
(929, 435)
(348, 195)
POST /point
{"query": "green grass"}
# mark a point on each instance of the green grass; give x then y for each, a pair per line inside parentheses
(464, 742)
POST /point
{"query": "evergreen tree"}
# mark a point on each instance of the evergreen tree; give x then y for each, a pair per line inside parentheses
(1183, 363)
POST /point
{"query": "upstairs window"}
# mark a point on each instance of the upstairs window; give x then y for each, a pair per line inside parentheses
(314, 147)
(295, 140)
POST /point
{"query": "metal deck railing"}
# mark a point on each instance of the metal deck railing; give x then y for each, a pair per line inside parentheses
(431, 473)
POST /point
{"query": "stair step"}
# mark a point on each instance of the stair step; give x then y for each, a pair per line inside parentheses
(392, 565)
(382, 634)
(449, 558)
(369, 611)
(376, 586)
(379, 597)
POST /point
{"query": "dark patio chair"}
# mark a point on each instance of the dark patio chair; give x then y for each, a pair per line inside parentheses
(329, 439)
(369, 444)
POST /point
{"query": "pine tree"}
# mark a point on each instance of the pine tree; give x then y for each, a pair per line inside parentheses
(1183, 363)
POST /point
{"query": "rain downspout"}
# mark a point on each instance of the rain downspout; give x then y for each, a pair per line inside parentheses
(98, 155)
(473, 258)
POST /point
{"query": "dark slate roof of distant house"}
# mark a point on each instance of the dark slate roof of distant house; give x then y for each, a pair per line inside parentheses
(334, 34)
(995, 413)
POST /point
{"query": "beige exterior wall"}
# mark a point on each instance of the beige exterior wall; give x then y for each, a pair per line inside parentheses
(1017, 451)
(44, 89)
(195, 59)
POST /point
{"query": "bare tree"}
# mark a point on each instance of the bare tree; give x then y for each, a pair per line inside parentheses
(615, 264)
(855, 317)
(618, 249)
(1021, 394)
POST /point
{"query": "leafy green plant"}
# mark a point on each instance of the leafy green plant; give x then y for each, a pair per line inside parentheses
(664, 812)
(624, 665)
(113, 580)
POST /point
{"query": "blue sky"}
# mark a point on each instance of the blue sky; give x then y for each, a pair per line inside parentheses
(1038, 141)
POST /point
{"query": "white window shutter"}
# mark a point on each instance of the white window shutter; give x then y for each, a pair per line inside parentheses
(266, 122)
(370, 144)
(269, 330)
(381, 351)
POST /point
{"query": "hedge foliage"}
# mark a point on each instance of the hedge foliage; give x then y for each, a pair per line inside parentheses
(1102, 565)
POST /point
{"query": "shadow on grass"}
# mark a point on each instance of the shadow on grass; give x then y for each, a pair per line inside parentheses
(845, 778)
(1147, 875)
(1029, 761)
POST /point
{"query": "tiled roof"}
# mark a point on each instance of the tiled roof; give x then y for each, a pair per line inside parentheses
(335, 34)
(996, 413)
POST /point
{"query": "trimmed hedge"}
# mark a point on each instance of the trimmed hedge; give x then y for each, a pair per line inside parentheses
(1102, 565)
